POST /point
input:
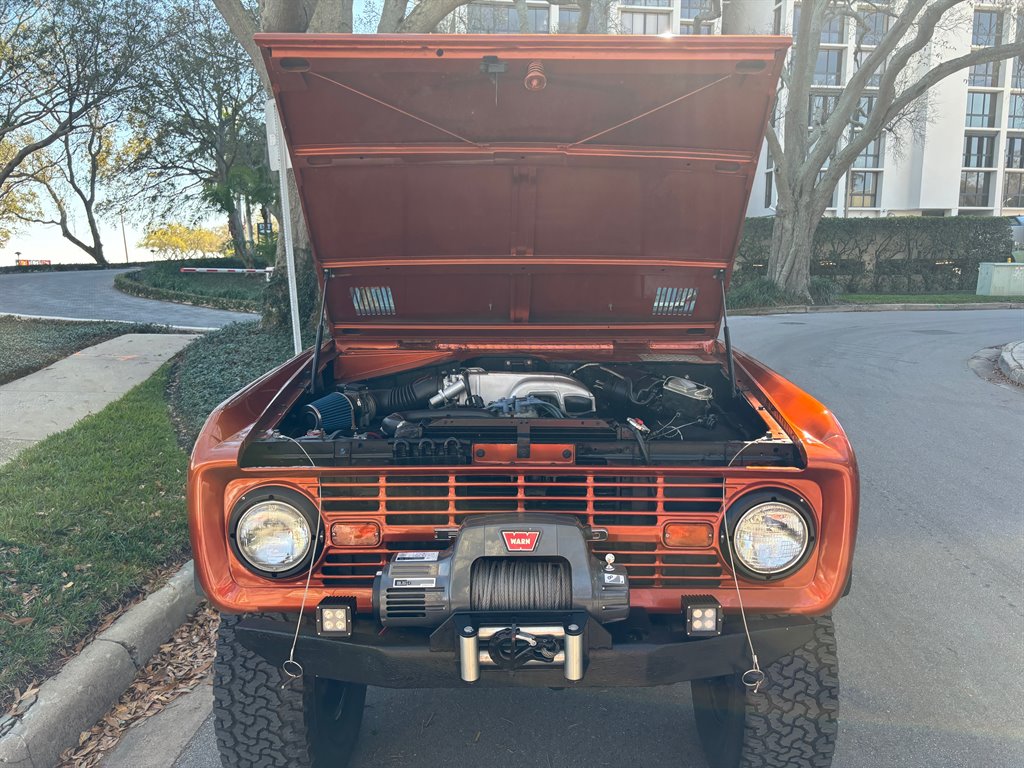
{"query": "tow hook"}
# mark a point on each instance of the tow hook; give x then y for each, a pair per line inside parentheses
(513, 647)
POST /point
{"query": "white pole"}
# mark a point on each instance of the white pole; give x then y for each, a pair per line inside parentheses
(286, 229)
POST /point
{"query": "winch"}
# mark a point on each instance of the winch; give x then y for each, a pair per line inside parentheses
(506, 567)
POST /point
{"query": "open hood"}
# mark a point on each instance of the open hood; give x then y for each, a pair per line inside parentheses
(466, 187)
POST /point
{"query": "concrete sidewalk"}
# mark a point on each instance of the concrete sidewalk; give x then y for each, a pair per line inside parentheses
(55, 398)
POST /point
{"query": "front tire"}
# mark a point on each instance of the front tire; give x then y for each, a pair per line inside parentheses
(309, 723)
(793, 721)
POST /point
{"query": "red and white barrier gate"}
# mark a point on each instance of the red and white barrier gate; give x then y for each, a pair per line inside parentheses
(231, 271)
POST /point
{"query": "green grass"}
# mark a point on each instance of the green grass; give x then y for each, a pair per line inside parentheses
(164, 280)
(216, 366)
(924, 298)
(86, 516)
(30, 345)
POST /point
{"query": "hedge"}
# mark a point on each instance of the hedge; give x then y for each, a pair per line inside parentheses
(213, 368)
(901, 254)
(165, 281)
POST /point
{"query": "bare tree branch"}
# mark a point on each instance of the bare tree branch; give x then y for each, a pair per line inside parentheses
(243, 26)
(782, 180)
(586, 8)
(332, 16)
(705, 15)
(428, 14)
(523, 15)
(391, 15)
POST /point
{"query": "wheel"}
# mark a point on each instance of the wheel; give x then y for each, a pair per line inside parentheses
(310, 723)
(792, 722)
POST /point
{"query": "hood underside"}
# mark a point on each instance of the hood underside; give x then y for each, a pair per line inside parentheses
(462, 186)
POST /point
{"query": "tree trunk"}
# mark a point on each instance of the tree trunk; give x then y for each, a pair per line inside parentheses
(523, 15)
(789, 264)
(250, 229)
(237, 231)
(391, 15)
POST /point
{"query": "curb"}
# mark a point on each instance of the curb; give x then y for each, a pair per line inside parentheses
(1011, 361)
(800, 309)
(183, 328)
(91, 682)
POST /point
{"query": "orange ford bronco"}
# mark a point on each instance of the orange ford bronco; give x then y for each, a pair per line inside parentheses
(518, 454)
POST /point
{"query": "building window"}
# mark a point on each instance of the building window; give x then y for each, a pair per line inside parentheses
(1018, 73)
(875, 79)
(864, 108)
(832, 200)
(988, 28)
(872, 28)
(641, 23)
(686, 28)
(1013, 190)
(979, 151)
(769, 179)
(864, 189)
(828, 69)
(984, 75)
(568, 19)
(777, 20)
(833, 30)
(820, 106)
(1016, 110)
(975, 189)
(1015, 152)
(688, 11)
(981, 110)
(538, 19)
(870, 156)
(486, 18)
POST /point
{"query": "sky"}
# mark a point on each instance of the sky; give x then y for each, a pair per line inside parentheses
(40, 242)
(43, 242)
(46, 242)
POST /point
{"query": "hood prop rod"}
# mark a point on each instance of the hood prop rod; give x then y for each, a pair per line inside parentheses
(720, 276)
(313, 377)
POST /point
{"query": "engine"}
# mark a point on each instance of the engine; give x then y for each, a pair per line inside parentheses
(528, 395)
(521, 410)
(592, 390)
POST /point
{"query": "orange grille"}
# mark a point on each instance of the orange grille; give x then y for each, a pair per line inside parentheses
(631, 507)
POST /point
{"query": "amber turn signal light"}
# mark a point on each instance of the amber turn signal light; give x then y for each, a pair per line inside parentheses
(365, 534)
(688, 535)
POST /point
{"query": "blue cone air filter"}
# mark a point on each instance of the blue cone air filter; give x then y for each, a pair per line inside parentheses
(330, 413)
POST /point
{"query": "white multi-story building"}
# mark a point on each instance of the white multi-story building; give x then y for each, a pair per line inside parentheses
(965, 155)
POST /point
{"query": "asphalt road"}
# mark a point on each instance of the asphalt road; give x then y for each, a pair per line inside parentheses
(90, 295)
(930, 640)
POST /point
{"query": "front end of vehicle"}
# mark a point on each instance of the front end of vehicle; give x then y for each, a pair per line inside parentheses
(521, 457)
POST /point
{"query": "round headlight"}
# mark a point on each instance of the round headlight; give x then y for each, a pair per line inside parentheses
(770, 538)
(273, 536)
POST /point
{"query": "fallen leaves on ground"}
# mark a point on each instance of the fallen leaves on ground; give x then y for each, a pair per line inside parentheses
(11, 708)
(179, 666)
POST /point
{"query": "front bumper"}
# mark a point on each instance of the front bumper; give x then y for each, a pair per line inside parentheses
(411, 659)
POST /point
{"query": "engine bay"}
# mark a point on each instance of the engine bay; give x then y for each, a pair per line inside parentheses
(504, 410)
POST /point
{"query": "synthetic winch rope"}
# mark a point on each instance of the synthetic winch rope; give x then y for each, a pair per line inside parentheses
(523, 584)
(754, 677)
(291, 668)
